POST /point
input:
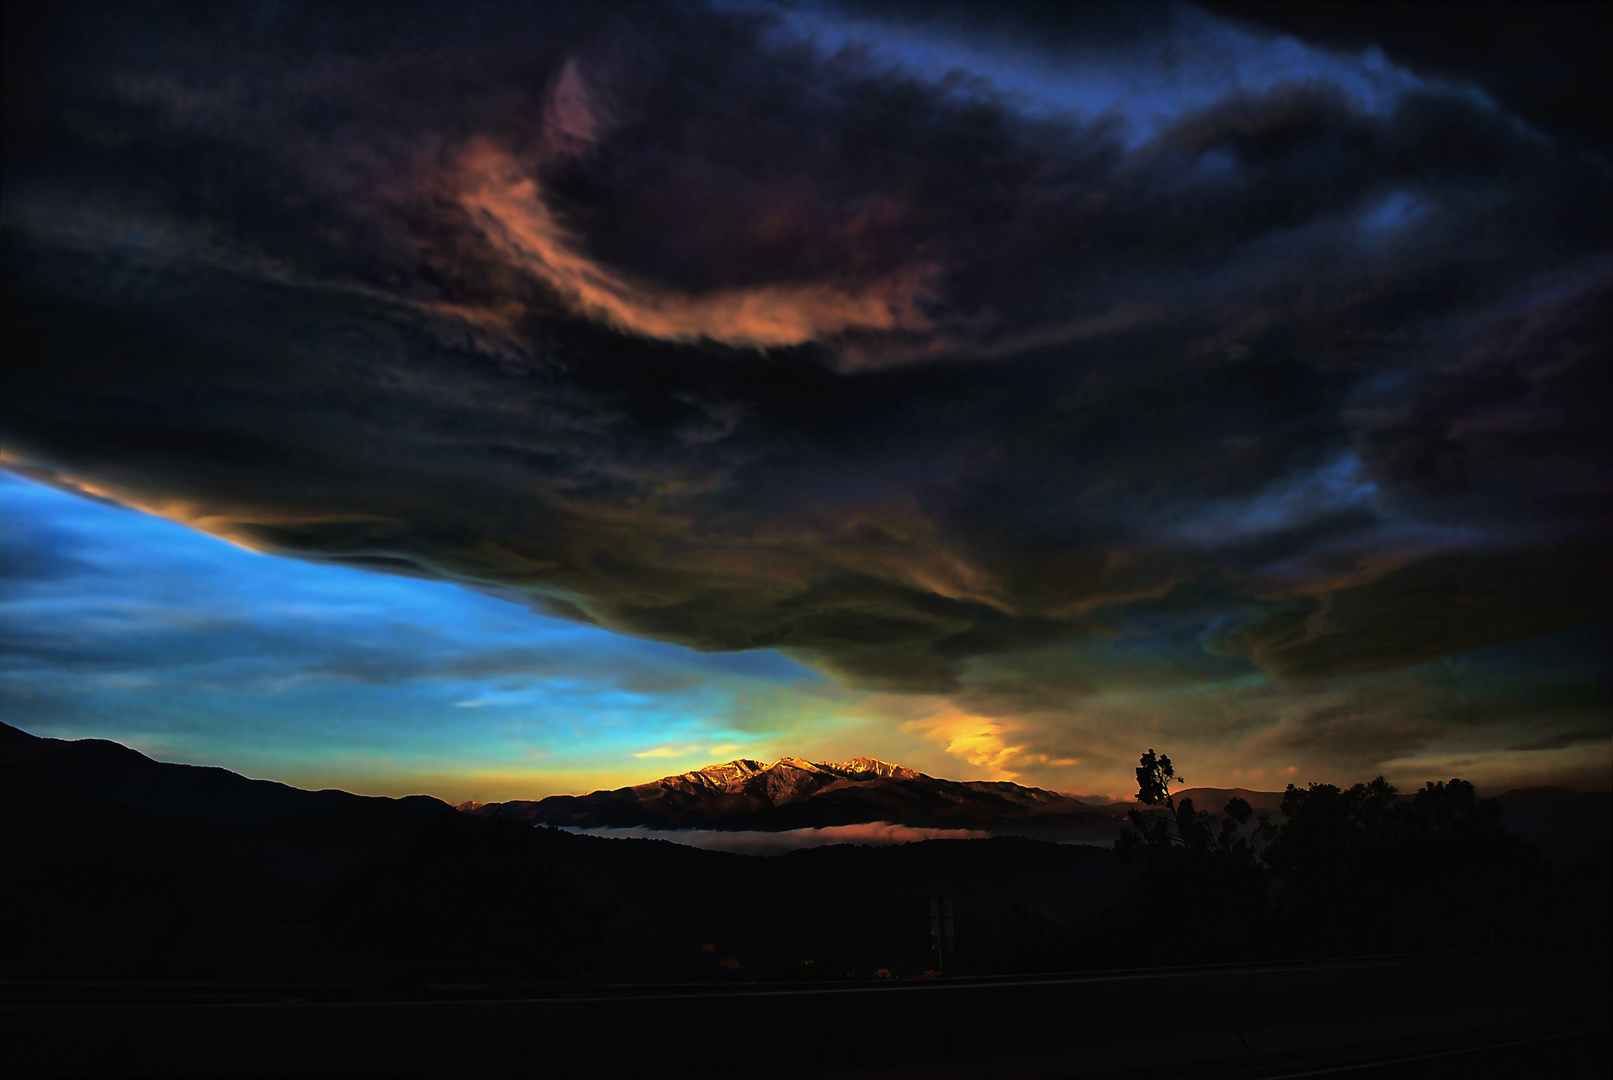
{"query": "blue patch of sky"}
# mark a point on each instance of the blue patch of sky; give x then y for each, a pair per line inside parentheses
(1193, 63)
(118, 624)
(1392, 213)
(1214, 165)
(1336, 487)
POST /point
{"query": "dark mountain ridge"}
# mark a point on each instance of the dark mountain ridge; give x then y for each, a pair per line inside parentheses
(245, 857)
(122, 775)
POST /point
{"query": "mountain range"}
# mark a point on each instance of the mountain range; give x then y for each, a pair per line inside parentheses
(105, 770)
(114, 787)
(793, 793)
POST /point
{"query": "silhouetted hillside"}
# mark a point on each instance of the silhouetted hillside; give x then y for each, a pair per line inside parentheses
(118, 774)
(245, 857)
(1263, 803)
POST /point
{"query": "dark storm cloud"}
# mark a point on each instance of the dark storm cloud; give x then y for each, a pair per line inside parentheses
(1542, 62)
(680, 321)
(1444, 603)
(1553, 687)
(1357, 733)
(1566, 739)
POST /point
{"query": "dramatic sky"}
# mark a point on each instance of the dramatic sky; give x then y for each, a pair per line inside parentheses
(499, 400)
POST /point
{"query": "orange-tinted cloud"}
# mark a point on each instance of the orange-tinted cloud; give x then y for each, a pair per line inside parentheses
(979, 740)
(507, 205)
(238, 525)
(574, 120)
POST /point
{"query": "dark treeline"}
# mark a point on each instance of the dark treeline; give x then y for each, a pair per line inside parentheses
(1350, 872)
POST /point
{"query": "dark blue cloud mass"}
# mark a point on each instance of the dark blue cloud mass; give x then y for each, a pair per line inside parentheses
(1000, 353)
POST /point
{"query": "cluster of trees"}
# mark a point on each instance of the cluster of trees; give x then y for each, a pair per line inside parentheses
(1349, 872)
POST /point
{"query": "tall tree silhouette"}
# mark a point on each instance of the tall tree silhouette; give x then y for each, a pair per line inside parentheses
(1202, 891)
(1170, 825)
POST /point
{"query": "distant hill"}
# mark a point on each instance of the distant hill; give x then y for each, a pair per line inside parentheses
(114, 772)
(1268, 803)
(250, 854)
(1565, 825)
(793, 793)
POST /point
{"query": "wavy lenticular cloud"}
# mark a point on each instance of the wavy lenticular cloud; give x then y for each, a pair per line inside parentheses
(238, 525)
(507, 204)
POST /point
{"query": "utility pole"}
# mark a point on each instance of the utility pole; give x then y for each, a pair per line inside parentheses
(943, 935)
